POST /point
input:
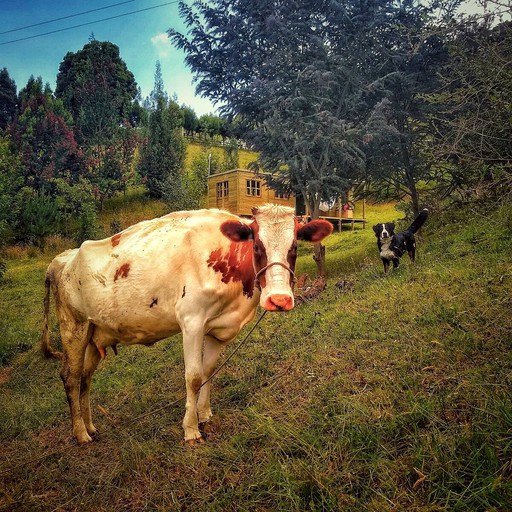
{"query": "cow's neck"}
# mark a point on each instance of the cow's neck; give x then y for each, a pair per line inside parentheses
(236, 265)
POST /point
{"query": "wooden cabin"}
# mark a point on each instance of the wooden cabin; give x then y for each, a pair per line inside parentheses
(239, 190)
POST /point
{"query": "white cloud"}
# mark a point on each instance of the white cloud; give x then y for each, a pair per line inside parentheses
(161, 45)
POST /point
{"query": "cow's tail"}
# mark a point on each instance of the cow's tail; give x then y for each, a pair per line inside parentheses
(48, 350)
(418, 221)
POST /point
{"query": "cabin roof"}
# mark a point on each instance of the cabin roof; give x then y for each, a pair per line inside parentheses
(236, 170)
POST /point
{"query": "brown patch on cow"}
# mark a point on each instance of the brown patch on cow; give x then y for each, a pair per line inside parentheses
(116, 239)
(122, 271)
(154, 302)
(5, 374)
(235, 265)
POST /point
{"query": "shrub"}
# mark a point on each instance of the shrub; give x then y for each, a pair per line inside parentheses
(87, 224)
(39, 218)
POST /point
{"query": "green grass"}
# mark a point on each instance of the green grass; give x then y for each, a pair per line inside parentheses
(391, 395)
(245, 157)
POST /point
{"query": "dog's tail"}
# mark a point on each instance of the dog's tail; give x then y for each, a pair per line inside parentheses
(418, 221)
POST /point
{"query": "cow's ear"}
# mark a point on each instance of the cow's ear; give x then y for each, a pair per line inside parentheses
(236, 231)
(314, 231)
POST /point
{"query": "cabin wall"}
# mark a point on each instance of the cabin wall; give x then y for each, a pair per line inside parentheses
(222, 192)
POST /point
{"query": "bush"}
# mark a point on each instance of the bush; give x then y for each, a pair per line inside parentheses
(87, 224)
(39, 218)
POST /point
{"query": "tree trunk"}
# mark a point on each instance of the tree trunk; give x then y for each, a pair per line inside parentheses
(319, 249)
(319, 257)
(411, 185)
(410, 182)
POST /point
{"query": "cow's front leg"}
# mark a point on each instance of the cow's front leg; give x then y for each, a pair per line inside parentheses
(212, 349)
(92, 358)
(192, 352)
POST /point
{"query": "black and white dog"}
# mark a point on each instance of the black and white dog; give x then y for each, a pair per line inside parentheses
(393, 245)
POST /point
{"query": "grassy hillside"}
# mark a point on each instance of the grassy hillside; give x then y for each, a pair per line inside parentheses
(390, 394)
(245, 157)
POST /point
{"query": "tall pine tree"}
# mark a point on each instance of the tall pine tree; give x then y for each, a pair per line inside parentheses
(8, 99)
(163, 154)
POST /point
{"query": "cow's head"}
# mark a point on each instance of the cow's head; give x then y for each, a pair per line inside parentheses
(274, 232)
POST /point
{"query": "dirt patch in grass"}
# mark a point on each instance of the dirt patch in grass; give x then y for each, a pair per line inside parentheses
(5, 374)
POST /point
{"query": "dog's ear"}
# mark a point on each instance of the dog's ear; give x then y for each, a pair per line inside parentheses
(392, 226)
(376, 228)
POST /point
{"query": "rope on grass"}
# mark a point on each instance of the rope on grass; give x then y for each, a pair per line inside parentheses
(130, 421)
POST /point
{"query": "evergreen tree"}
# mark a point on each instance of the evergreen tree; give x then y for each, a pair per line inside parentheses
(45, 139)
(158, 89)
(11, 181)
(210, 125)
(97, 88)
(190, 120)
(163, 154)
(8, 99)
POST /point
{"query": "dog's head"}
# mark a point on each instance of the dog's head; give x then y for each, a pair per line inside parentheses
(384, 231)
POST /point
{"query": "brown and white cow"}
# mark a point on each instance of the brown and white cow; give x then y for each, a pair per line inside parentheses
(199, 272)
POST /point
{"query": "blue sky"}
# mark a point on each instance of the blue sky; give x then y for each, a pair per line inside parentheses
(141, 38)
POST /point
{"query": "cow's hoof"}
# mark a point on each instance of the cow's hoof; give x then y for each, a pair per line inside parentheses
(84, 439)
(195, 442)
(92, 430)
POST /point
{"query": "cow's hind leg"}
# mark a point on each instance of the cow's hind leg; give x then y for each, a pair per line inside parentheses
(212, 349)
(75, 338)
(92, 358)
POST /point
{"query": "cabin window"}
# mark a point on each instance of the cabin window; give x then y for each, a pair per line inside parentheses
(222, 189)
(279, 195)
(253, 187)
